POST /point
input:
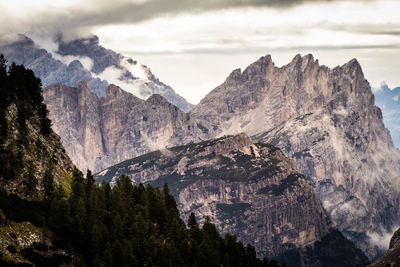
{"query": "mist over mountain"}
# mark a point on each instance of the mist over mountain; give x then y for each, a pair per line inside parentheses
(85, 60)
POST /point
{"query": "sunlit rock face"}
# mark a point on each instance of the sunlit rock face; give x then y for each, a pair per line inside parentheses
(327, 121)
(99, 132)
(248, 189)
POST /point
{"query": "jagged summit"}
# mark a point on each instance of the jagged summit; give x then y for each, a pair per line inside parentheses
(327, 120)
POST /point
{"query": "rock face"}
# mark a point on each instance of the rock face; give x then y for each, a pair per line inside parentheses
(248, 189)
(86, 60)
(388, 100)
(327, 121)
(99, 132)
(392, 257)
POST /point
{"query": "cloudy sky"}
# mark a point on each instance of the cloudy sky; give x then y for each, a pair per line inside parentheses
(193, 45)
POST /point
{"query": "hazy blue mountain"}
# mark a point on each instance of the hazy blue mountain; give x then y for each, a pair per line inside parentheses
(389, 102)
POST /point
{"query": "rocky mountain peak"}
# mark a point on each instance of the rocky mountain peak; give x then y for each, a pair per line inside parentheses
(235, 75)
(263, 66)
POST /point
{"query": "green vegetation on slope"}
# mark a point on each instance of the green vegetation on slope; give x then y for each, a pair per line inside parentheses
(125, 226)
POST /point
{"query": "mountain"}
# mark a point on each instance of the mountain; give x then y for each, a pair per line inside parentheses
(49, 69)
(85, 60)
(388, 101)
(99, 132)
(249, 189)
(50, 215)
(28, 147)
(120, 70)
(327, 121)
(392, 257)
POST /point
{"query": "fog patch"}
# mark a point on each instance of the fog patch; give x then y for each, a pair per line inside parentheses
(382, 238)
(114, 75)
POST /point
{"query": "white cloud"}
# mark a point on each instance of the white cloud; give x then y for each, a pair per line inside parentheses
(222, 33)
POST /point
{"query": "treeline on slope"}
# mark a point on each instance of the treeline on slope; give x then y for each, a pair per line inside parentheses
(20, 87)
(125, 225)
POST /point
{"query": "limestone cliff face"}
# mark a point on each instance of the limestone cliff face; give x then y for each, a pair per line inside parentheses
(248, 189)
(99, 132)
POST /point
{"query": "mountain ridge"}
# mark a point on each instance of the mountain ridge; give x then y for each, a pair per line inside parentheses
(249, 189)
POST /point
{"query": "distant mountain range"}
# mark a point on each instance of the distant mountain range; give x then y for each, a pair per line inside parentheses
(86, 60)
(389, 101)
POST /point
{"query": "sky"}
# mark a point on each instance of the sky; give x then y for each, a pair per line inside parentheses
(193, 45)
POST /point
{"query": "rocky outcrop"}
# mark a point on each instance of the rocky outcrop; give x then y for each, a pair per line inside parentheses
(86, 60)
(99, 132)
(327, 121)
(248, 189)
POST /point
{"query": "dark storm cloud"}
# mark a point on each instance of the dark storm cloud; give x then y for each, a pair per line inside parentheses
(88, 14)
